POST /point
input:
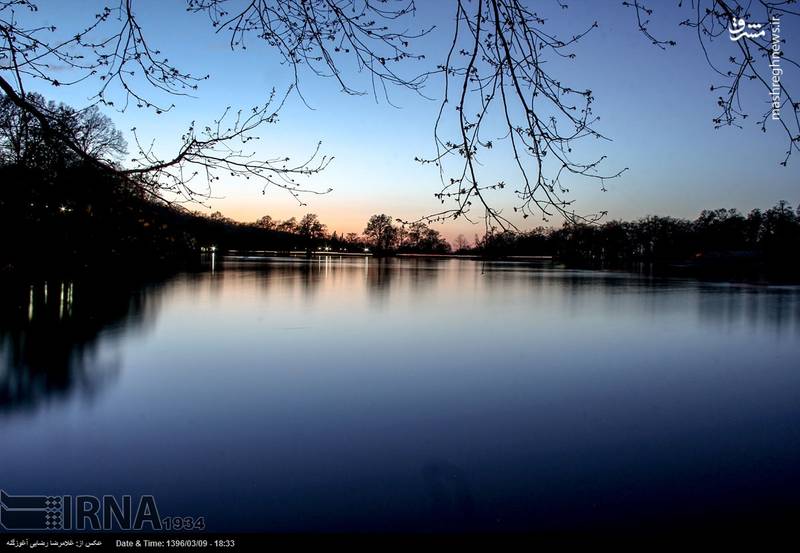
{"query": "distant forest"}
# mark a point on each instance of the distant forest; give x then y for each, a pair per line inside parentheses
(770, 236)
(57, 209)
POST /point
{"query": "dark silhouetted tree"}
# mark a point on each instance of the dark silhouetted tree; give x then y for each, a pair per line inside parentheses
(381, 232)
(461, 244)
(289, 225)
(422, 238)
(266, 222)
(310, 227)
(25, 143)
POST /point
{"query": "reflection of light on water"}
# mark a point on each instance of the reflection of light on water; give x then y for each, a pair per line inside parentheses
(213, 261)
(49, 349)
(65, 300)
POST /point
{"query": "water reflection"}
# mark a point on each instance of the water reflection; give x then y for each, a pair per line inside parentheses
(56, 336)
(50, 332)
(342, 394)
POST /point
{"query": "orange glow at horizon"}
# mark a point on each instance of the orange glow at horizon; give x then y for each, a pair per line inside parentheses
(342, 219)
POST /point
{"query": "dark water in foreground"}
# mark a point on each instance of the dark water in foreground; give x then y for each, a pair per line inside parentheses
(407, 395)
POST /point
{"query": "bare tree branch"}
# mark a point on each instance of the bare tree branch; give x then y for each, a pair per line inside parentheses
(319, 34)
(749, 58)
(114, 51)
(501, 88)
(504, 76)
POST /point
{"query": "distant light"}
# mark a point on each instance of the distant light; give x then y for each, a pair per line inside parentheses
(213, 248)
(366, 249)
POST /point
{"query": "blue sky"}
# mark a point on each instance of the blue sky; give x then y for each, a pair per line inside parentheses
(656, 106)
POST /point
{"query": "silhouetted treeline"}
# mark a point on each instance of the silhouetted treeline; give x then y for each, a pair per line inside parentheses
(60, 211)
(80, 216)
(57, 209)
(717, 237)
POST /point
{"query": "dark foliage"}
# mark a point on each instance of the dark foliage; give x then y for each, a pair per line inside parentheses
(82, 217)
(721, 237)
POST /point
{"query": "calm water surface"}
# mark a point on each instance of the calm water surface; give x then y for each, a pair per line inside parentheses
(407, 395)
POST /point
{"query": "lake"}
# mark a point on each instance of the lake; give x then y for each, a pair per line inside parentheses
(359, 394)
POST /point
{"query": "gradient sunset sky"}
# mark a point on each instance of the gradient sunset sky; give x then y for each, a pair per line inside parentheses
(656, 106)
